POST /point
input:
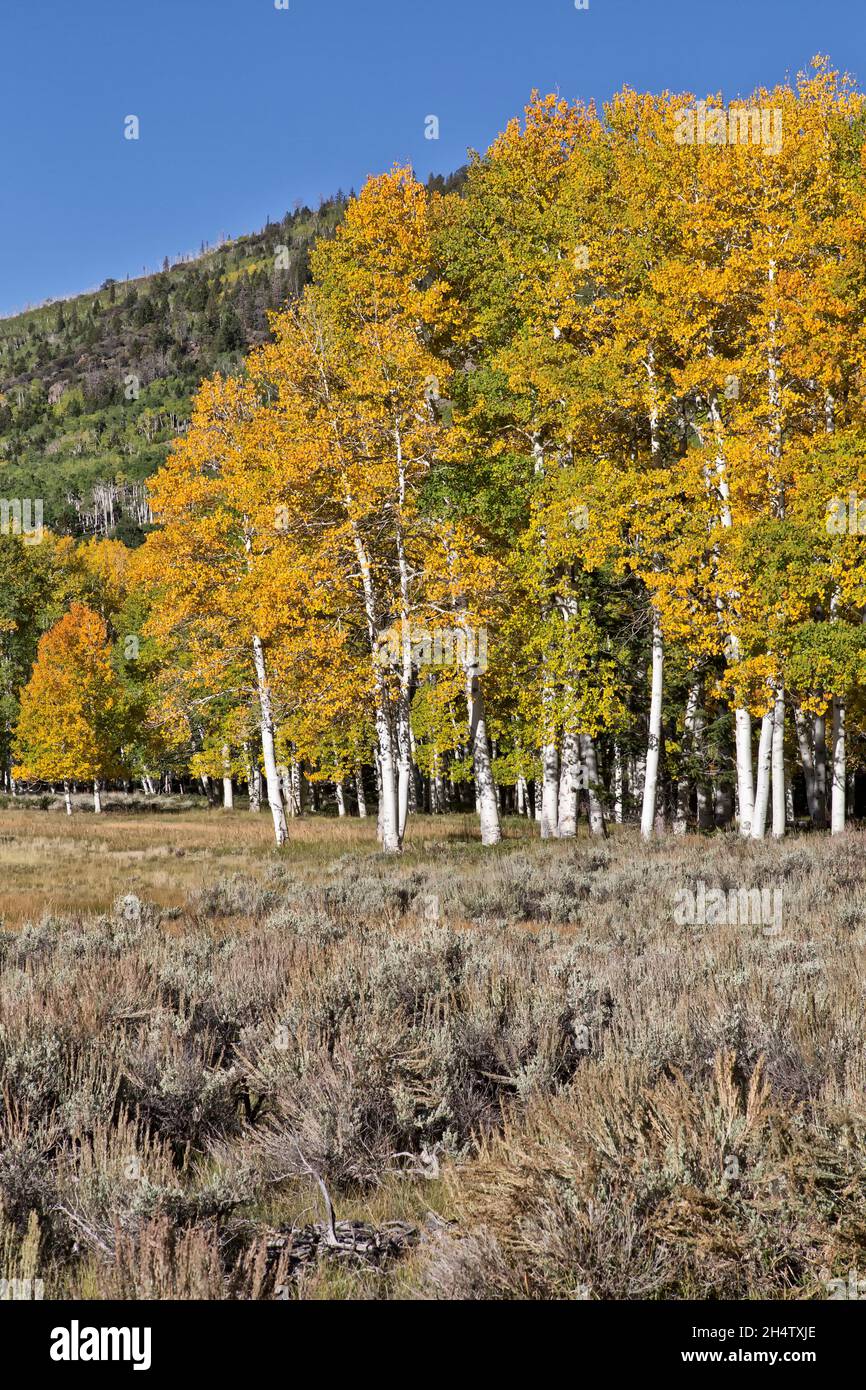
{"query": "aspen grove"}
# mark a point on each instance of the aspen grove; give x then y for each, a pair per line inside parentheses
(543, 498)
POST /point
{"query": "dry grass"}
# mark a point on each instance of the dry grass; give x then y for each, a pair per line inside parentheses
(50, 862)
(520, 1053)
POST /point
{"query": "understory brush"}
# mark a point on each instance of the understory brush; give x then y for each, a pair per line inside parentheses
(455, 1076)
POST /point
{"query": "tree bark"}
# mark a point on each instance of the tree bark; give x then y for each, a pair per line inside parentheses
(589, 758)
(254, 786)
(404, 701)
(404, 754)
(762, 788)
(650, 790)
(549, 791)
(391, 838)
(804, 731)
(618, 785)
(745, 774)
(839, 783)
(485, 787)
(820, 743)
(228, 791)
(568, 783)
(779, 764)
(684, 785)
(437, 791)
(266, 726)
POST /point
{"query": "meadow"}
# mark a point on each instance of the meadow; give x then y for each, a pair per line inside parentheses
(235, 1072)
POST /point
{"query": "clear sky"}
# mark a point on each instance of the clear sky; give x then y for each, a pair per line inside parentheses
(246, 109)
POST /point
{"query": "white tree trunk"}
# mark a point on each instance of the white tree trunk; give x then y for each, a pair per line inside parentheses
(404, 748)
(341, 798)
(67, 797)
(649, 809)
(255, 789)
(745, 796)
(359, 788)
(97, 799)
(762, 789)
(745, 775)
(820, 742)
(390, 837)
(266, 726)
(379, 798)
(839, 768)
(549, 791)
(404, 734)
(637, 777)
(779, 804)
(285, 777)
(589, 759)
(228, 792)
(802, 726)
(568, 783)
(437, 790)
(650, 790)
(684, 785)
(839, 783)
(547, 796)
(485, 787)
(617, 784)
(703, 793)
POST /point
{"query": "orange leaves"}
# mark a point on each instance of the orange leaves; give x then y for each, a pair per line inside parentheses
(69, 725)
(378, 268)
(597, 374)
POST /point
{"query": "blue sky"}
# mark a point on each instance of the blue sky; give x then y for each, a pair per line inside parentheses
(246, 109)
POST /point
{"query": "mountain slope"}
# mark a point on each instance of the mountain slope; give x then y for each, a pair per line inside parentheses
(93, 389)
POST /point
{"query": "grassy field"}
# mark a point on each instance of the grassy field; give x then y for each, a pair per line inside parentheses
(520, 1074)
(60, 864)
(55, 863)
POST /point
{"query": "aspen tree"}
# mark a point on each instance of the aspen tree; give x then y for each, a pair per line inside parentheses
(70, 723)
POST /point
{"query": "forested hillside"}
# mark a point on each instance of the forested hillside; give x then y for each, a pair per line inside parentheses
(93, 389)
